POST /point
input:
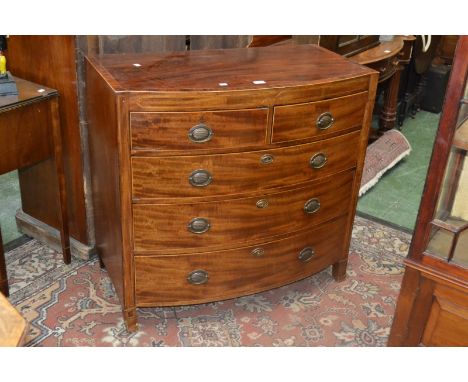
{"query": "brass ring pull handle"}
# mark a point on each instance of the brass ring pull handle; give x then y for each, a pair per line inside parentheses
(198, 225)
(306, 254)
(200, 133)
(325, 121)
(266, 159)
(257, 252)
(311, 206)
(262, 203)
(200, 178)
(318, 160)
(198, 277)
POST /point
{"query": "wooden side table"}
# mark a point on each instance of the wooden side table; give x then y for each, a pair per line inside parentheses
(30, 133)
(389, 58)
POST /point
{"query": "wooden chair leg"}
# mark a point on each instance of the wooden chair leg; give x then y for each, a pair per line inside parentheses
(3, 271)
(64, 235)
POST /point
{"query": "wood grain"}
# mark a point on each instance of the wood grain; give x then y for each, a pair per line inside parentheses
(447, 321)
(169, 131)
(105, 179)
(29, 134)
(123, 138)
(240, 173)
(295, 122)
(162, 280)
(204, 70)
(142, 163)
(13, 327)
(22, 143)
(238, 220)
(243, 98)
(51, 61)
(432, 308)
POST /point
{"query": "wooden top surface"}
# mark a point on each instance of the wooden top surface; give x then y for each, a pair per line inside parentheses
(12, 325)
(240, 69)
(28, 92)
(382, 51)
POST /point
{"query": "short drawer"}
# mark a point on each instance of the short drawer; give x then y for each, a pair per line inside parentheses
(240, 173)
(318, 119)
(198, 130)
(203, 277)
(172, 228)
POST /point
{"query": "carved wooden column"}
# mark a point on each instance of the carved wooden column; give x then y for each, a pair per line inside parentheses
(388, 114)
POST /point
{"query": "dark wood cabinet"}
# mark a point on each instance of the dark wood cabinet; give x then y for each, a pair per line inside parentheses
(222, 173)
(432, 308)
(349, 45)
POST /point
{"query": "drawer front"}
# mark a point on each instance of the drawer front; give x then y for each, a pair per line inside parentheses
(172, 228)
(239, 173)
(204, 277)
(318, 119)
(198, 130)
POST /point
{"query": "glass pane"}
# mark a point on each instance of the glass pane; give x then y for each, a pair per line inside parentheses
(449, 228)
(461, 251)
(440, 243)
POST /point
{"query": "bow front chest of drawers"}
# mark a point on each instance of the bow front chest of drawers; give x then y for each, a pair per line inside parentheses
(221, 173)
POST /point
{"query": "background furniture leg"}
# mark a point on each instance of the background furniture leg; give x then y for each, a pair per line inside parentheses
(65, 239)
(389, 111)
(3, 272)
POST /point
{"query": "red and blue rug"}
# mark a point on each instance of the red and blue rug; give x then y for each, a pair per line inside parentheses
(75, 305)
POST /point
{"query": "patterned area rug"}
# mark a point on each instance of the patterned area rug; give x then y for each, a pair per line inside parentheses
(75, 305)
(381, 156)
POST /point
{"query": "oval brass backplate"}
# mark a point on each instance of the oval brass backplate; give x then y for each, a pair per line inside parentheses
(198, 225)
(257, 252)
(262, 203)
(200, 133)
(325, 121)
(312, 206)
(200, 178)
(318, 160)
(198, 277)
(267, 159)
(306, 254)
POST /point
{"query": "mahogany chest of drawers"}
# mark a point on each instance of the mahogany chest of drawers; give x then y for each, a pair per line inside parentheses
(221, 173)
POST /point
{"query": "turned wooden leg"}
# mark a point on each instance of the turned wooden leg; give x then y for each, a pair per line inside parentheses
(3, 271)
(130, 318)
(63, 215)
(388, 115)
(339, 270)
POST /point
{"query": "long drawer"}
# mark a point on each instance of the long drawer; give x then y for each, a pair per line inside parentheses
(318, 119)
(203, 277)
(238, 173)
(198, 130)
(218, 224)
